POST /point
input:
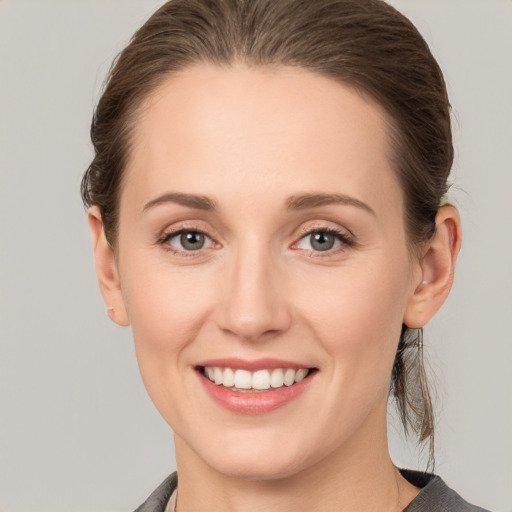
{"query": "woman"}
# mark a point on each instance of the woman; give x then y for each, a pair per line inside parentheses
(267, 209)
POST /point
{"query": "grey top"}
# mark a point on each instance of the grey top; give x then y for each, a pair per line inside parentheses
(435, 495)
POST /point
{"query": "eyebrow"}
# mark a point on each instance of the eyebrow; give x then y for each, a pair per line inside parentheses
(305, 201)
(298, 202)
(191, 200)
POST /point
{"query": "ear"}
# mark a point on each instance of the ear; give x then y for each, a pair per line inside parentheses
(436, 269)
(106, 269)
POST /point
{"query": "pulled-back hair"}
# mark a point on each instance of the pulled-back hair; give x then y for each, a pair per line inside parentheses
(363, 44)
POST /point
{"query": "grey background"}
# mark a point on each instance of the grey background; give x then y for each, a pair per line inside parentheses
(77, 431)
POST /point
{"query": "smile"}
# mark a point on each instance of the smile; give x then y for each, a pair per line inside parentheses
(254, 387)
(260, 380)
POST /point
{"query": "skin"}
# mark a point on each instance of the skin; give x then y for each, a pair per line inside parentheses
(250, 139)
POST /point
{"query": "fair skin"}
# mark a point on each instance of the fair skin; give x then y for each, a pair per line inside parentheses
(260, 285)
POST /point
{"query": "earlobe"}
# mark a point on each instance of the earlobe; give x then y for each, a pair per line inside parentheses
(437, 267)
(106, 269)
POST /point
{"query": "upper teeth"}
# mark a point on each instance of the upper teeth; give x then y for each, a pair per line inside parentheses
(260, 379)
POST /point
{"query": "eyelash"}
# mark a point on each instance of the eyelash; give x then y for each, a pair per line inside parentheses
(169, 235)
(346, 240)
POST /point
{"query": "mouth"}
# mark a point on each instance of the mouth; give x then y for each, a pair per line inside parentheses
(254, 387)
(262, 380)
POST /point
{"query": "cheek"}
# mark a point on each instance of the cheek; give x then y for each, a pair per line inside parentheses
(164, 304)
(166, 308)
(359, 317)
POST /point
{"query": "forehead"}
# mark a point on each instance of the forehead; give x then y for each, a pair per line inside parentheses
(262, 128)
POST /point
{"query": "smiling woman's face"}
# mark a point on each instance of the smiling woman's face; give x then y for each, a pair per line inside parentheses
(261, 230)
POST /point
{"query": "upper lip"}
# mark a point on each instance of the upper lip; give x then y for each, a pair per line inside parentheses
(252, 365)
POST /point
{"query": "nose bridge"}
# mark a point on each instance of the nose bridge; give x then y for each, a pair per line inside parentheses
(252, 304)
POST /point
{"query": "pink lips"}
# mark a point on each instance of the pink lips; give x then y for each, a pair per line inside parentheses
(252, 366)
(252, 402)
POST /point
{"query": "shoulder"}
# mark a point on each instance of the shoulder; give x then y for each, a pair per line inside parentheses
(435, 495)
(158, 499)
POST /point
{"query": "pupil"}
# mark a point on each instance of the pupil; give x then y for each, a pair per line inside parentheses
(322, 241)
(192, 240)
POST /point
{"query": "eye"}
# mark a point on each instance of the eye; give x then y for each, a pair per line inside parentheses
(322, 240)
(187, 240)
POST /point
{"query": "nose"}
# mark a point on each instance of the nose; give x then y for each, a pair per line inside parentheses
(254, 304)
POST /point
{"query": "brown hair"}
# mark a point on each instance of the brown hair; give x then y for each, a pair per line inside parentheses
(365, 44)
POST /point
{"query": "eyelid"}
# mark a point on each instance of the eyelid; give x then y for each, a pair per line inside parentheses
(169, 233)
(316, 226)
(344, 236)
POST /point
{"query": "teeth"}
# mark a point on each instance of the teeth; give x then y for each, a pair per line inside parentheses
(289, 377)
(258, 380)
(261, 379)
(277, 378)
(243, 379)
(300, 374)
(217, 375)
(228, 378)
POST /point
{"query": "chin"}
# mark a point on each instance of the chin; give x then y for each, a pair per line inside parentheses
(260, 470)
(259, 460)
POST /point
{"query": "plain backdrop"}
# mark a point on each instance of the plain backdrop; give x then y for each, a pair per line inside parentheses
(77, 431)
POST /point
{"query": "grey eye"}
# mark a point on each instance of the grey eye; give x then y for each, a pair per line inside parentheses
(322, 241)
(188, 240)
(191, 240)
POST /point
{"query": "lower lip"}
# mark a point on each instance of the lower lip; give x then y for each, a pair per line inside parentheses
(256, 402)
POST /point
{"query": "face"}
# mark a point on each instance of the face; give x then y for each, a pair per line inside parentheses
(262, 246)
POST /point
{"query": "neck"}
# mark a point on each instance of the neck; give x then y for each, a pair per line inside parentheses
(357, 476)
